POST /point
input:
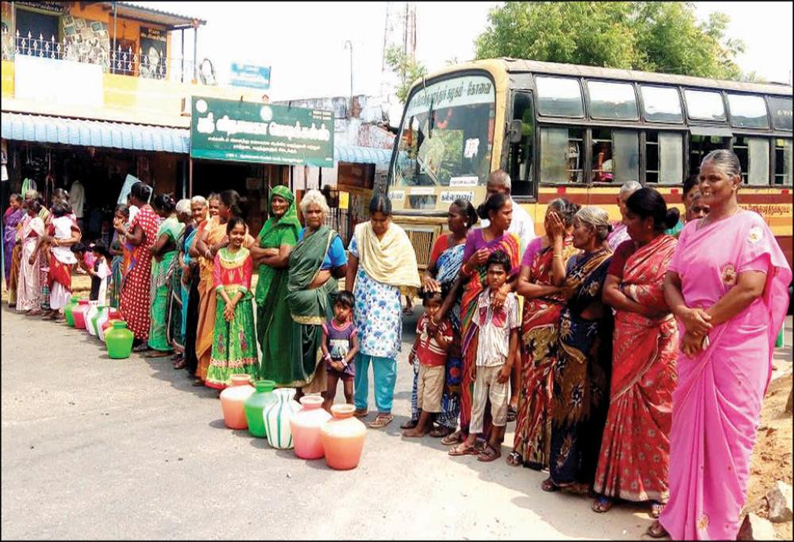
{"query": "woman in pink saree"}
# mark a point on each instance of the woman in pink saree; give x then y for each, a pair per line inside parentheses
(28, 283)
(727, 286)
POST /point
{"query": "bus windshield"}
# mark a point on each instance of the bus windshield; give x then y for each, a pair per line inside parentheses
(446, 135)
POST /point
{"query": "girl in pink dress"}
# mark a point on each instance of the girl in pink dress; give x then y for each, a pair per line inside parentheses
(727, 286)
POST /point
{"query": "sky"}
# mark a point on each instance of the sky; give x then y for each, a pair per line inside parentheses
(304, 42)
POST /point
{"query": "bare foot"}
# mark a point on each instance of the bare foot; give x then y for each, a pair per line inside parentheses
(414, 433)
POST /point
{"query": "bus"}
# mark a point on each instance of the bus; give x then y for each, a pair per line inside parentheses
(580, 132)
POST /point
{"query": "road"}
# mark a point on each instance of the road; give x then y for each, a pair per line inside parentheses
(94, 448)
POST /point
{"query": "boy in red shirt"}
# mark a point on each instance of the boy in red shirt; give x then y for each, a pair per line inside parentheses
(431, 351)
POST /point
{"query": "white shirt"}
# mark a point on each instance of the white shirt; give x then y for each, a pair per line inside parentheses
(63, 230)
(495, 327)
(77, 198)
(522, 225)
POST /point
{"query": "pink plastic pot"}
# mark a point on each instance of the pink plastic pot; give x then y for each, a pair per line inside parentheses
(306, 425)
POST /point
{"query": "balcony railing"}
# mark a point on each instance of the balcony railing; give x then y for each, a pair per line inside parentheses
(145, 64)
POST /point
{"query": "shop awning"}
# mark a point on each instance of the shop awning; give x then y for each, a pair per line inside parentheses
(94, 133)
(362, 155)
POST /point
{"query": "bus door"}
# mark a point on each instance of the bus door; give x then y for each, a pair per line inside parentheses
(521, 141)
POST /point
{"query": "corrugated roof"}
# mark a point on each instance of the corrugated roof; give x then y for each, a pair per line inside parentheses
(94, 133)
(156, 15)
(361, 155)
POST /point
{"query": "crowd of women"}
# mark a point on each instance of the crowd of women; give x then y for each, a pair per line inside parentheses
(630, 351)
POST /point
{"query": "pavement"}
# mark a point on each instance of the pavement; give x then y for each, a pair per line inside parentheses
(94, 448)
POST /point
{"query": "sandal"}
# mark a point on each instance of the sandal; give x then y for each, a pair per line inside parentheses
(143, 347)
(514, 459)
(602, 505)
(360, 413)
(512, 413)
(462, 449)
(382, 420)
(656, 509)
(656, 530)
(441, 431)
(549, 486)
(453, 438)
(410, 424)
(489, 454)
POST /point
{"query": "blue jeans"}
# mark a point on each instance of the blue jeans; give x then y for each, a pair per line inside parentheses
(385, 377)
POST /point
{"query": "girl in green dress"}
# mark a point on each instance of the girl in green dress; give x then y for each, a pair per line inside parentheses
(233, 344)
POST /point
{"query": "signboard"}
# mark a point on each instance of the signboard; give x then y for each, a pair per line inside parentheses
(78, 83)
(248, 75)
(238, 131)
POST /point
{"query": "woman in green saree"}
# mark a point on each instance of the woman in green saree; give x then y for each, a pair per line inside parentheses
(315, 264)
(164, 252)
(273, 321)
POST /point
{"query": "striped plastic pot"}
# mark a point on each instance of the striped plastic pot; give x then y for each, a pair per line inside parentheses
(277, 418)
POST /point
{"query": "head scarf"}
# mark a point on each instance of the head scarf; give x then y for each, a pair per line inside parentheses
(288, 219)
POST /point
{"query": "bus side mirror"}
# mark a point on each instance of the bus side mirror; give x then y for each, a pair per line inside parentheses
(516, 131)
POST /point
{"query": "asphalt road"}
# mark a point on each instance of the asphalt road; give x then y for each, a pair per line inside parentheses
(94, 448)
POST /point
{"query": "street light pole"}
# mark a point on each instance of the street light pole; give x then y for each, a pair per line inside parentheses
(349, 43)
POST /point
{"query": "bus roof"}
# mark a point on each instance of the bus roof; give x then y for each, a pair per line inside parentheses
(514, 65)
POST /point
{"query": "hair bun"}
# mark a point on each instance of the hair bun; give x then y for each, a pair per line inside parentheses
(672, 217)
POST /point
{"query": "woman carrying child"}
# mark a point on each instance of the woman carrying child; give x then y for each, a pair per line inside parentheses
(480, 244)
(64, 234)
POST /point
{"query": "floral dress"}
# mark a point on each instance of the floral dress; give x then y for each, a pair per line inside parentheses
(377, 314)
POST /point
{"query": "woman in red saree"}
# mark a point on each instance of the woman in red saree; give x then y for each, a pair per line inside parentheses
(135, 293)
(727, 286)
(540, 280)
(635, 447)
(480, 244)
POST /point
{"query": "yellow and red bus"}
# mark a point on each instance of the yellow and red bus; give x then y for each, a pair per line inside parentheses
(580, 132)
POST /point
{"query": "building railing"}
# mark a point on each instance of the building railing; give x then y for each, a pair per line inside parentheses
(145, 64)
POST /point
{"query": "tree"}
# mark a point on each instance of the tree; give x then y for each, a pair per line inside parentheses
(407, 69)
(650, 36)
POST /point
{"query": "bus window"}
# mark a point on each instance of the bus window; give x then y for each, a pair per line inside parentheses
(559, 97)
(753, 154)
(616, 155)
(520, 153)
(664, 154)
(447, 134)
(704, 105)
(747, 111)
(700, 146)
(561, 155)
(783, 162)
(661, 104)
(612, 100)
(780, 108)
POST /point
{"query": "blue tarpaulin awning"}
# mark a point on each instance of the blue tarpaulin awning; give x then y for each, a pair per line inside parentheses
(361, 155)
(94, 133)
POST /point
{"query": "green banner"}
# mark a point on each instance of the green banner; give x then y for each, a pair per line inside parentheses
(266, 134)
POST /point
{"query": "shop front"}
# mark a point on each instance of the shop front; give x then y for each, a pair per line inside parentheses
(53, 152)
(252, 147)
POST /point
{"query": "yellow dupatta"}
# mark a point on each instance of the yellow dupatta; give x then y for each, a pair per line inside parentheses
(390, 260)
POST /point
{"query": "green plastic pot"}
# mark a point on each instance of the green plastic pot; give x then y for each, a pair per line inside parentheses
(119, 340)
(255, 405)
(67, 311)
